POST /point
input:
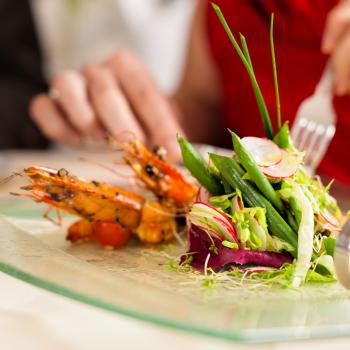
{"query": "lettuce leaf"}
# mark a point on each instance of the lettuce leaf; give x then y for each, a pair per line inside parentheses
(325, 265)
(252, 230)
(293, 190)
(318, 194)
(313, 276)
(223, 202)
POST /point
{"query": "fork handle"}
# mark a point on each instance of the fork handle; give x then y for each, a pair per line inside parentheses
(325, 85)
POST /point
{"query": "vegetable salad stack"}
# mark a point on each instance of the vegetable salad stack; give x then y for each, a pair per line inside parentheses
(259, 211)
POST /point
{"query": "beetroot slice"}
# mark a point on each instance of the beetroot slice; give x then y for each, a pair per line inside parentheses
(199, 244)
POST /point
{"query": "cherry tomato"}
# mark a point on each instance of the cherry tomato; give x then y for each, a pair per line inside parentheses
(110, 234)
(79, 230)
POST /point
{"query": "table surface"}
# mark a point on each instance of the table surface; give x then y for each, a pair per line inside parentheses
(33, 318)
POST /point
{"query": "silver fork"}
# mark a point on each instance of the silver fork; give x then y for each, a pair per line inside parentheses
(314, 125)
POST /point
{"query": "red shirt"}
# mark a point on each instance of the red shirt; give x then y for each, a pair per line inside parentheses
(298, 31)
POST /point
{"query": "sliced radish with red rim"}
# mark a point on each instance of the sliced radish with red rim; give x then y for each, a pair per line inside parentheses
(211, 232)
(207, 216)
(265, 152)
(287, 167)
(258, 269)
(228, 226)
(330, 218)
(237, 203)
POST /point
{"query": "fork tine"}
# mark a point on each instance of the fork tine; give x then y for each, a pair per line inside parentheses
(297, 130)
(309, 129)
(314, 126)
(328, 136)
(315, 141)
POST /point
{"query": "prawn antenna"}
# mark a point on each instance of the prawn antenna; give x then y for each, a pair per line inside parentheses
(106, 167)
(9, 178)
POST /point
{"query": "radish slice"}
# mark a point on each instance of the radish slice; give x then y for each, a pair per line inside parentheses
(203, 195)
(258, 269)
(265, 152)
(211, 232)
(237, 203)
(228, 226)
(326, 226)
(213, 219)
(329, 217)
(287, 167)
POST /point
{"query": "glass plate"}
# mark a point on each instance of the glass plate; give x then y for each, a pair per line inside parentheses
(136, 281)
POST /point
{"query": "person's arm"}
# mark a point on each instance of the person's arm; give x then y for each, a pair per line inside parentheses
(198, 95)
(120, 94)
(21, 76)
(336, 43)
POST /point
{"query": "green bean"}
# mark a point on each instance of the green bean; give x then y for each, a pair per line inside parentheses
(238, 168)
(292, 221)
(227, 187)
(277, 225)
(255, 173)
(295, 210)
(198, 168)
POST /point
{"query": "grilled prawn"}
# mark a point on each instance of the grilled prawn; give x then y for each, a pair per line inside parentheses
(97, 202)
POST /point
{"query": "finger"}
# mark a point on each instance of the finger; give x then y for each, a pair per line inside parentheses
(70, 88)
(341, 62)
(151, 106)
(110, 103)
(51, 121)
(337, 23)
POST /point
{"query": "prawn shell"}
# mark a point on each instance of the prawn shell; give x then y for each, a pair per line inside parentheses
(164, 180)
(90, 200)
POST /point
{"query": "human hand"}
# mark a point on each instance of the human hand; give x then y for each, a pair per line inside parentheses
(112, 97)
(336, 42)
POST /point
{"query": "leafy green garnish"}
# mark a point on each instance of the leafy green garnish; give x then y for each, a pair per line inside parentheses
(231, 245)
(213, 248)
(210, 282)
(319, 193)
(274, 68)
(185, 266)
(245, 50)
(313, 276)
(223, 202)
(329, 245)
(283, 138)
(281, 277)
(244, 56)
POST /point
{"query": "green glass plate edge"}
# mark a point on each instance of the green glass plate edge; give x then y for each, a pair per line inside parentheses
(285, 334)
(68, 293)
